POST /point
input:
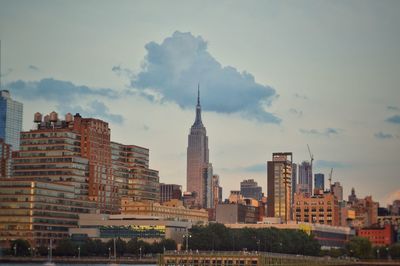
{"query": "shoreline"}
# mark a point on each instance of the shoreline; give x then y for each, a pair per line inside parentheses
(83, 260)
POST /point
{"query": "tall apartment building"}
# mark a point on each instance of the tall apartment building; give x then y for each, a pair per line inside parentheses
(5, 159)
(199, 170)
(321, 209)
(96, 147)
(280, 186)
(133, 177)
(169, 192)
(10, 119)
(305, 179)
(250, 189)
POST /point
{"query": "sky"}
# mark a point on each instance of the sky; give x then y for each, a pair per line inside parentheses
(274, 76)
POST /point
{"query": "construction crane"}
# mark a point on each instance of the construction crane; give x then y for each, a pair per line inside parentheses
(330, 178)
(311, 155)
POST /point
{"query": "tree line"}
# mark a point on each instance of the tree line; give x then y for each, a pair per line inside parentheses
(91, 247)
(220, 238)
(362, 248)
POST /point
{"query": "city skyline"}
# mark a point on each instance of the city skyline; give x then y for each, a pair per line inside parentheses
(323, 74)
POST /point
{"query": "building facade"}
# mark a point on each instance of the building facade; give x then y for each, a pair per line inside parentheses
(11, 113)
(5, 159)
(198, 162)
(378, 236)
(279, 186)
(217, 191)
(305, 184)
(169, 192)
(294, 180)
(132, 174)
(250, 189)
(319, 181)
(318, 209)
(337, 190)
(38, 210)
(172, 210)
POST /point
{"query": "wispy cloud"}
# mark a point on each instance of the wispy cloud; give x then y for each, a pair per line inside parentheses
(381, 135)
(301, 96)
(172, 70)
(393, 108)
(7, 72)
(33, 68)
(395, 119)
(296, 112)
(95, 109)
(68, 97)
(56, 90)
(330, 164)
(326, 132)
(256, 168)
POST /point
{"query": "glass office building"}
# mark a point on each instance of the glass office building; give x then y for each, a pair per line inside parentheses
(10, 119)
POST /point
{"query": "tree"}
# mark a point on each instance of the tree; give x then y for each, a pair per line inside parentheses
(66, 247)
(394, 251)
(119, 244)
(359, 247)
(20, 247)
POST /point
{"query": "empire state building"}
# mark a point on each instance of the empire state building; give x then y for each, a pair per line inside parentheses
(199, 170)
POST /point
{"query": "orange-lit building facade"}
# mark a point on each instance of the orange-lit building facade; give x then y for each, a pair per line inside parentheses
(321, 209)
(95, 146)
(378, 236)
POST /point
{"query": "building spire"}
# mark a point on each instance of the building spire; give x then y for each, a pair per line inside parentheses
(198, 94)
(198, 122)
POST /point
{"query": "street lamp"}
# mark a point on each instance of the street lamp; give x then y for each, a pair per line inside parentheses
(79, 252)
(387, 252)
(377, 253)
(109, 253)
(187, 236)
(15, 250)
(29, 251)
(140, 253)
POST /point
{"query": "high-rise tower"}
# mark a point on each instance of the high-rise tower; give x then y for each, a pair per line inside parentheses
(199, 170)
(10, 119)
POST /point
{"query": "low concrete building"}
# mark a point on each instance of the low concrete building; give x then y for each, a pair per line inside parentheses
(148, 228)
(236, 213)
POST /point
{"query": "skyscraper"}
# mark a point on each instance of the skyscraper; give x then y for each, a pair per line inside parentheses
(319, 181)
(279, 186)
(10, 119)
(199, 170)
(305, 179)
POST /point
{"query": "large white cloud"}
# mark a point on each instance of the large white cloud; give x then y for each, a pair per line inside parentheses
(172, 70)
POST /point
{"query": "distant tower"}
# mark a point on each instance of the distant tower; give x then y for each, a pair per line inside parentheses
(10, 119)
(199, 170)
(305, 179)
(319, 183)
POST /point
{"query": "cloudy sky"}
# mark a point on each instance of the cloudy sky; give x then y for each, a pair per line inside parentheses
(274, 76)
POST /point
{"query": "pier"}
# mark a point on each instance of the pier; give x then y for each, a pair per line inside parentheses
(243, 258)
